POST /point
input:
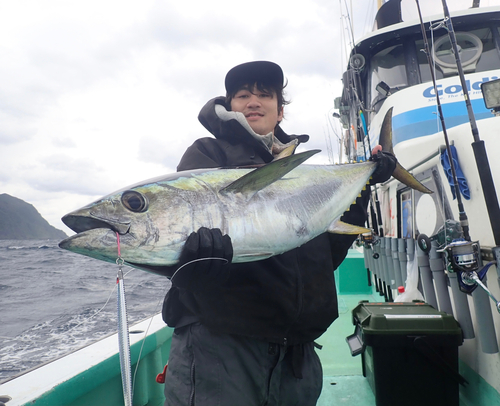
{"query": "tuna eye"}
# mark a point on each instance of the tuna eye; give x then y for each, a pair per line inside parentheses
(134, 201)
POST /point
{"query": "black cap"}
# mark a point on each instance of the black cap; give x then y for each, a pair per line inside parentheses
(267, 73)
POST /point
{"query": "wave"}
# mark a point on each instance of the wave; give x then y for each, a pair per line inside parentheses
(61, 302)
(51, 339)
(23, 247)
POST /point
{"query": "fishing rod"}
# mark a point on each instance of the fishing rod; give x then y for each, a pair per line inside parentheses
(353, 84)
(470, 275)
(464, 255)
(478, 146)
(357, 65)
(464, 222)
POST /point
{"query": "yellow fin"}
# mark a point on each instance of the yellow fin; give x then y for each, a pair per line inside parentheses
(339, 227)
(286, 152)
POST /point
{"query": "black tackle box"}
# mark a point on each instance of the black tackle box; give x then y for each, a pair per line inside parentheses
(409, 353)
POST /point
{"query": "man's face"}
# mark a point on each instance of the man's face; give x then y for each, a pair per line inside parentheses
(260, 109)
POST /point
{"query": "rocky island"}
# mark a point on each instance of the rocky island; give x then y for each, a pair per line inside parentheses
(21, 221)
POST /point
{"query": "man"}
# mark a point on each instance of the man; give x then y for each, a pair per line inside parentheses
(244, 333)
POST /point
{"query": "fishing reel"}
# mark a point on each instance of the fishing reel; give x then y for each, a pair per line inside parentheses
(463, 257)
(368, 240)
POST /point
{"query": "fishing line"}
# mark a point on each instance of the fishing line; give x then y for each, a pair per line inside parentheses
(197, 260)
(342, 40)
(129, 384)
(86, 320)
(157, 306)
(351, 28)
(144, 341)
(101, 309)
(95, 314)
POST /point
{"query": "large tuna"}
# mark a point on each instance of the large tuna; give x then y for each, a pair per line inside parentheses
(266, 211)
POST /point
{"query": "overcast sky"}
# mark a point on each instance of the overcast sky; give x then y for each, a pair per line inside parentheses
(97, 95)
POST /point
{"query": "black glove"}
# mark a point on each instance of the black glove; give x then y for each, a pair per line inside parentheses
(172, 309)
(386, 163)
(206, 243)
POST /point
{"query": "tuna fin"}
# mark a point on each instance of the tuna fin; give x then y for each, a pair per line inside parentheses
(339, 227)
(399, 173)
(385, 139)
(408, 179)
(286, 152)
(258, 255)
(261, 177)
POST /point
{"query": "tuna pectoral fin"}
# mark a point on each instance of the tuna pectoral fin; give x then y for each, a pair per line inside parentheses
(339, 227)
(407, 178)
(261, 177)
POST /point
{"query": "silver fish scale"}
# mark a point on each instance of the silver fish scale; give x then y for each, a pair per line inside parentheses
(283, 215)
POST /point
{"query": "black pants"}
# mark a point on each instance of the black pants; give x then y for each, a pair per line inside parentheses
(208, 369)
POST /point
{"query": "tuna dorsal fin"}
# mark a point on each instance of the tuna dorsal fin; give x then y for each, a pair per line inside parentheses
(261, 177)
(399, 173)
(339, 227)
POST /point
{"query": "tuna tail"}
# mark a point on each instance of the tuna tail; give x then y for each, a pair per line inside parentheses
(399, 173)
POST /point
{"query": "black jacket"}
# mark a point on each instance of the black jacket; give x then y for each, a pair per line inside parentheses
(290, 298)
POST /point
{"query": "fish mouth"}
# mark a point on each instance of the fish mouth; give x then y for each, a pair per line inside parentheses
(80, 240)
(84, 243)
(80, 223)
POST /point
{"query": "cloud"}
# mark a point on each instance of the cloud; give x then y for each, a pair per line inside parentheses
(13, 131)
(97, 95)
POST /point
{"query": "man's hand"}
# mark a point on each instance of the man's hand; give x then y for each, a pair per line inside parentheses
(386, 163)
(203, 260)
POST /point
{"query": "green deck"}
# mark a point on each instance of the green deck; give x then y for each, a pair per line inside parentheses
(343, 383)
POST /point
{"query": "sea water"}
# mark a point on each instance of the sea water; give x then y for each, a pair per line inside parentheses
(53, 302)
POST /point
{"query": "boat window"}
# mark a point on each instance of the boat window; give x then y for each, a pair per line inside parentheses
(477, 49)
(387, 67)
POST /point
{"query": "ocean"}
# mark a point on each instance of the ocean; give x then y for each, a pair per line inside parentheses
(53, 302)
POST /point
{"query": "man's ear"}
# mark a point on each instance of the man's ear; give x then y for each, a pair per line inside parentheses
(281, 114)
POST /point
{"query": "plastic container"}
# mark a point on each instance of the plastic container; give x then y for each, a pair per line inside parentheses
(409, 353)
